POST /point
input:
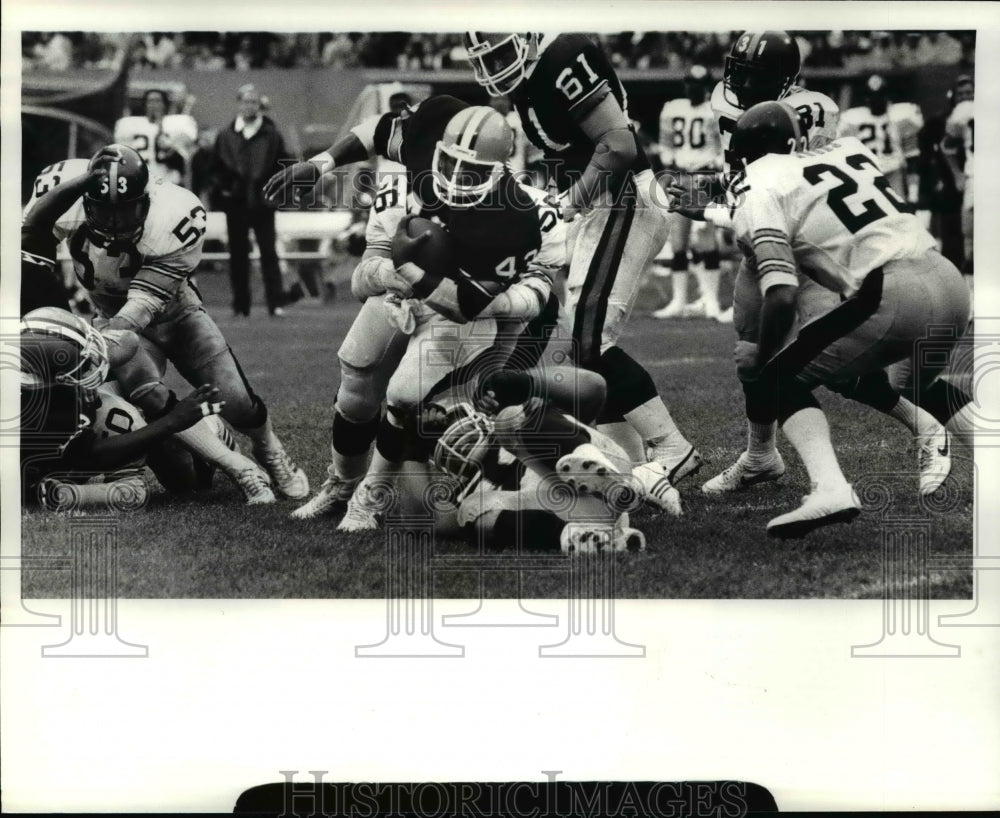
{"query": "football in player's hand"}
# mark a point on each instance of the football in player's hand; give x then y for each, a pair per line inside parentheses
(426, 244)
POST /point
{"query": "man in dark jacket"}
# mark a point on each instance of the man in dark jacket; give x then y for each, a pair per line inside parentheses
(247, 152)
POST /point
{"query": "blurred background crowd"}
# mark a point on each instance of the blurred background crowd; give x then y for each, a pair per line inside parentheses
(216, 51)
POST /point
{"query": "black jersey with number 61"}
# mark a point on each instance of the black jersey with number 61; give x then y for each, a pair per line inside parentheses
(572, 75)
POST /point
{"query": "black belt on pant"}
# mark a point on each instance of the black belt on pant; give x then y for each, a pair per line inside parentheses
(819, 334)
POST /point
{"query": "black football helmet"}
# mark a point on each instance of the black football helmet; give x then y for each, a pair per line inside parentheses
(697, 84)
(761, 66)
(963, 90)
(116, 211)
(768, 127)
(875, 95)
(61, 349)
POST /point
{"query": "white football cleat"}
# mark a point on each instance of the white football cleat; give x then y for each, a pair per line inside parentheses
(332, 495)
(696, 309)
(595, 538)
(839, 505)
(289, 479)
(588, 470)
(673, 310)
(255, 485)
(679, 465)
(741, 475)
(935, 461)
(362, 513)
(725, 317)
(658, 490)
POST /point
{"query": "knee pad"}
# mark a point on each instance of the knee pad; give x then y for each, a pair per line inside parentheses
(357, 398)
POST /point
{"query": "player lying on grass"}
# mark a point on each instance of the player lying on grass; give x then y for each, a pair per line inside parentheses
(135, 240)
(75, 426)
(534, 473)
(830, 215)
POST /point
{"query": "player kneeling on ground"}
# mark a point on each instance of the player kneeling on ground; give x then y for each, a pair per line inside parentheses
(75, 427)
(135, 240)
(831, 215)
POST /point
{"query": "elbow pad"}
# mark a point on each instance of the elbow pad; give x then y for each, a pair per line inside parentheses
(524, 300)
(369, 277)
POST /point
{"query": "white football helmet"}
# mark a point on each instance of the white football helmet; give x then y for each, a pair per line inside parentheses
(460, 451)
(500, 61)
(61, 349)
(470, 157)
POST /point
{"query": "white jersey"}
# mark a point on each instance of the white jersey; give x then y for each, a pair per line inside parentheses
(154, 141)
(960, 129)
(689, 138)
(829, 214)
(153, 269)
(818, 113)
(880, 134)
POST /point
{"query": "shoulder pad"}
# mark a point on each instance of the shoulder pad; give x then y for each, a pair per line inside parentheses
(170, 207)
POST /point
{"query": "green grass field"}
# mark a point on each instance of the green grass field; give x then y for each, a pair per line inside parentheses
(216, 547)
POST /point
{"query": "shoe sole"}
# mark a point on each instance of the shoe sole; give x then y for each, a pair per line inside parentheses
(800, 528)
(300, 514)
(745, 483)
(587, 475)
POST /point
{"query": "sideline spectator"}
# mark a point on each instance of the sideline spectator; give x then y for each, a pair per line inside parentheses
(247, 152)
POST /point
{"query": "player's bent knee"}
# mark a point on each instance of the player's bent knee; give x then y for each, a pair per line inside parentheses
(358, 398)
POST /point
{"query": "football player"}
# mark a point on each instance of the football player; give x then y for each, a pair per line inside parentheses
(830, 214)
(958, 147)
(878, 131)
(373, 346)
(572, 106)
(762, 65)
(532, 473)
(689, 142)
(74, 426)
(506, 243)
(164, 140)
(208, 444)
(135, 241)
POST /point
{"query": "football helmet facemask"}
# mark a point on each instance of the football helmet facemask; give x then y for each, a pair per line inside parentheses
(116, 211)
(61, 349)
(461, 450)
(768, 127)
(761, 66)
(470, 157)
(500, 61)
